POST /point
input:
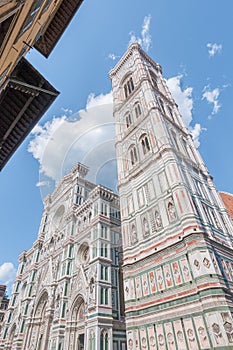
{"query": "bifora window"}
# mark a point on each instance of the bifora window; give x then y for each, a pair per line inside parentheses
(104, 340)
(145, 144)
(154, 80)
(128, 120)
(128, 87)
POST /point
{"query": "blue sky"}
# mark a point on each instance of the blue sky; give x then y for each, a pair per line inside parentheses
(190, 39)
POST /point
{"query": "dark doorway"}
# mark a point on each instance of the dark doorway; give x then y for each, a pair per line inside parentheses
(81, 342)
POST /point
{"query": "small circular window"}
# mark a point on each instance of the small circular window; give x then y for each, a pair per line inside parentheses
(84, 253)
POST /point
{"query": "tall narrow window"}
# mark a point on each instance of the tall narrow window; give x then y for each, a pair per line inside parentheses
(104, 273)
(126, 90)
(154, 80)
(128, 120)
(92, 340)
(104, 250)
(104, 296)
(128, 87)
(133, 155)
(145, 144)
(104, 340)
(22, 326)
(138, 110)
(104, 231)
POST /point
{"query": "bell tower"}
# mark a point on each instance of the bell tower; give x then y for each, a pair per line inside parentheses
(177, 236)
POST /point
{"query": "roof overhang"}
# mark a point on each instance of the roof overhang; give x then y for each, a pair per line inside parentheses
(64, 14)
(24, 98)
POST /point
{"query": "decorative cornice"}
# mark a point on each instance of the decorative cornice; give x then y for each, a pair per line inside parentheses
(133, 47)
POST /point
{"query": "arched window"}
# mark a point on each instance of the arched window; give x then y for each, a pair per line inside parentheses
(92, 340)
(104, 340)
(162, 105)
(145, 144)
(133, 155)
(154, 80)
(128, 87)
(128, 120)
(137, 110)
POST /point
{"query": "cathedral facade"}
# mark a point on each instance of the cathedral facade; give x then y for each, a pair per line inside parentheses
(177, 236)
(67, 290)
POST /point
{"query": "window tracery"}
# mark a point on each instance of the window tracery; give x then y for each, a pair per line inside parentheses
(154, 80)
(128, 120)
(104, 340)
(128, 87)
(145, 144)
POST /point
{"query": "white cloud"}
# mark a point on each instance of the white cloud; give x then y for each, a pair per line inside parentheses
(182, 97)
(214, 49)
(184, 100)
(42, 183)
(43, 141)
(86, 137)
(100, 100)
(211, 97)
(7, 274)
(195, 132)
(67, 110)
(226, 85)
(112, 56)
(145, 39)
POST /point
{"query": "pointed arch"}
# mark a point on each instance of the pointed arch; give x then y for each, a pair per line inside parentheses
(144, 141)
(127, 84)
(40, 307)
(132, 155)
(78, 309)
(104, 339)
(128, 119)
(137, 109)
